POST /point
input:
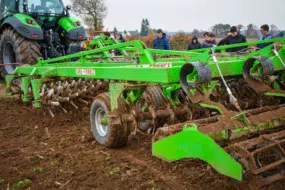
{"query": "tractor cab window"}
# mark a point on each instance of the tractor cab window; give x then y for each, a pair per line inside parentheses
(43, 6)
(6, 6)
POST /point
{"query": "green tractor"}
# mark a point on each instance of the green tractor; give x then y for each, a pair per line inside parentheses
(36, 28)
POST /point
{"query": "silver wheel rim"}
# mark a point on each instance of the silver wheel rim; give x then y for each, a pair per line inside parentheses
(9, 57)
(101, 127)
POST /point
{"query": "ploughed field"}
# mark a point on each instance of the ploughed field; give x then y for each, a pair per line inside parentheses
(39, 152)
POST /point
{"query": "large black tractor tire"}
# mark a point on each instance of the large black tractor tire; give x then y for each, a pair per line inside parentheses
(106, 133)
(17, 49)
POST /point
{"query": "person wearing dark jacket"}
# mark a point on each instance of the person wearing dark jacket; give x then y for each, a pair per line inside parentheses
(121, 38)
(223, 41)
(161, 41)
(264, 29)
(212, 37)
(195, 44)
(236, 38)
(208, 42)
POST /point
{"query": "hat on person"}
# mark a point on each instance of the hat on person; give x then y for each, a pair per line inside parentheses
(233, 29)
(206, 34)
(212, 35)
(159, 31)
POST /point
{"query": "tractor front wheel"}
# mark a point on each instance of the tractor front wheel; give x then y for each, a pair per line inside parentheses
(17, 49)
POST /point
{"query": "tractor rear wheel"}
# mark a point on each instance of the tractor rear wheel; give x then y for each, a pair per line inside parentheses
(17, 49)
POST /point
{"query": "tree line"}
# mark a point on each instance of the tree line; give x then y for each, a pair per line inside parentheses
(93, 13)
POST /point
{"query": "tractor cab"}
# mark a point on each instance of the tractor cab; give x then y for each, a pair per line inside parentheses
(44, 23)
(7, 7)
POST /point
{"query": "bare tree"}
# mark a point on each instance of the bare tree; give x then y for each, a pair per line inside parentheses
(251, 30)
(239, 27)
(274, 30)
(93, 12)
(220, 29)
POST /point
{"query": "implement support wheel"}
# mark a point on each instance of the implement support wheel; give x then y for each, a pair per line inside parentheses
(106, 132)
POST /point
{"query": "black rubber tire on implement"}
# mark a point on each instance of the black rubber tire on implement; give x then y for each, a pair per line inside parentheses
(113, 136)
(17, 49)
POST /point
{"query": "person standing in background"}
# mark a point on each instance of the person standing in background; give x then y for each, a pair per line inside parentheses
(208, 43)
(264, 29)
(236, 38)
(194, 44)
(212, 37)
(223, 41)
(161, 41)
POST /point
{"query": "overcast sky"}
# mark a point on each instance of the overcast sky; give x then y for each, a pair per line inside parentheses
(174, 15)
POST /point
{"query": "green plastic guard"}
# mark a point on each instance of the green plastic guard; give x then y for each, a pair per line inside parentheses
(190, 143)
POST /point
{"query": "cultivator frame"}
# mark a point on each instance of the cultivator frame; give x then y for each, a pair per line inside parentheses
(191, 102)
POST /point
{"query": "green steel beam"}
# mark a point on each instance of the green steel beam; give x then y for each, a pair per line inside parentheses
(25, 88)
(36, 85)
(131, 72)
(144, 54)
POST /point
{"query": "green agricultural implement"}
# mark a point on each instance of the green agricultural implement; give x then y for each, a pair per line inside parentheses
(226, 109)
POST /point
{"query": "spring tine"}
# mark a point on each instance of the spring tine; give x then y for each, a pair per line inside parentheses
(98, 86)
(73, 83)
(68, 88)
(75, 89)
(59, 91)
(50, 93)
(90, 89)
(65, 84)
(72, 96)
(54, 103)
(51, 85)
(73, 104)
(43, 90)
(63, 110)
(83, 101)
(50, 113)
(82, 92)
(61, 99)
(79, 81)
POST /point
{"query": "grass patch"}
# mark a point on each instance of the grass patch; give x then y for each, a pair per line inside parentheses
(75, 129)
(22, 184)
(5, 128)
(38, 170)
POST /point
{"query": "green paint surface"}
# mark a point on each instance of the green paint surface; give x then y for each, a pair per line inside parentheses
(190, 143)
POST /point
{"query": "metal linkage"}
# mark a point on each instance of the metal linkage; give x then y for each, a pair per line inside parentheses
(277, 55)
(233, 99)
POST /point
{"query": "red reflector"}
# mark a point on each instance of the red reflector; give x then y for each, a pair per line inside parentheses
(35, 35)
(80, 37)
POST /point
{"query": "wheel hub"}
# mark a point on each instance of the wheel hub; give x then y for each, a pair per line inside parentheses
(101, 122)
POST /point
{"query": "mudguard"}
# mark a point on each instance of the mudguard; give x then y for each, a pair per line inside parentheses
(19, 23)
(71, 31)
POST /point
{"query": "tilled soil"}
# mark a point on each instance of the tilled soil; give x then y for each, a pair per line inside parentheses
(61, 153)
